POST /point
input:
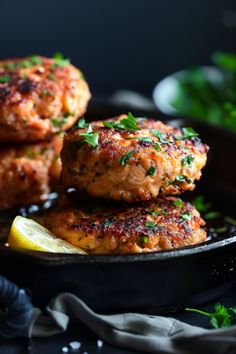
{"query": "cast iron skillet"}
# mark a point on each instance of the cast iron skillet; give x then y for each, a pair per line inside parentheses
(148, 283)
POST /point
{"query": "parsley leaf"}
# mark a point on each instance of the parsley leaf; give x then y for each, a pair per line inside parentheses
(31, 153)
(107, 223)
(188, 133)
(4, 79)
(123, 160)
(178, 202)
(24, 64)
(58, 123)
(81, 124)
(150, 224)
(60, 61)
(151, 171)
(200, 204)
(146, 139)
(187, 160)
(220, 318)
(90, 137)
(143, 239)
(128, 123)
(161, 136)
(35, 60)
(181, 178)
(157, 147)
(186, 216)
(212, 215)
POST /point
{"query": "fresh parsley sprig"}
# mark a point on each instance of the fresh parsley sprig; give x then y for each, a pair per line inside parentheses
(188, 133)
(128, 123)
(90, 137)
(160, 136)
(200, 204)
(222, 317)
(60, 61)
(81, 124)
(187, 160)
(123, 160)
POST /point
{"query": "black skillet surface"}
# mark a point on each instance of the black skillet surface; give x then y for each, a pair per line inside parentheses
(150, 283)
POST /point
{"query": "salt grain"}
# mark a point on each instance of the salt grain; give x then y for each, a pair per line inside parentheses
(75, 345)
(99, 343)
(65, 350)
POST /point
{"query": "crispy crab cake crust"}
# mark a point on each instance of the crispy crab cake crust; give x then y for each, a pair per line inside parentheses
(104, 227)
(28, 171)
(157, 165)
(39, 97)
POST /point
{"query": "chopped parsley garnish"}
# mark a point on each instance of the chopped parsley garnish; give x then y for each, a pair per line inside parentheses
(146, 139)
(90, 137)
(35, 60)
(123, 160)
(108, 223)
(154, 213)
(187, 160)
(164, 212)
(31, 153)
(181, 178)
(128, 123)
(186, 216)
(81, 124)
(220, 318)
(212, 215)
(58, 123)
(60, 61)
(24, 64)
(160, 136)
(200, 204)
(143, 239)
(188, 133)
(157, 147)
(150, 224)
(4, 79)
(9, 66)
(230, 220)
(151, 171)
(178, 202)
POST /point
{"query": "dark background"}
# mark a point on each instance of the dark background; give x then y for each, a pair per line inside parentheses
(128, 44)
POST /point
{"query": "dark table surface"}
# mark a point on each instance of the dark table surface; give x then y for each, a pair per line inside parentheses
(78, 332)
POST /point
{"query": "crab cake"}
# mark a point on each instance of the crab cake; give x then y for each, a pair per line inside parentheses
(26, 172)
(105, 227)
(39, 96)
(131, 159)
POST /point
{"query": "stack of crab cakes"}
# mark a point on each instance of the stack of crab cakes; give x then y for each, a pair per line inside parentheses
(125, 172)
(40, 98)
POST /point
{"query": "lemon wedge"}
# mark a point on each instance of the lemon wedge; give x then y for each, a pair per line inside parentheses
(28, 234)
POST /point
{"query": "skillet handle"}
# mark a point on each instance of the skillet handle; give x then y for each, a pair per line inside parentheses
(18, 308)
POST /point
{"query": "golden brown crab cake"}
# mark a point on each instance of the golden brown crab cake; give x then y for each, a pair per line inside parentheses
(38, 97)
(27, 171)
(106, 227)
(131, 159)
